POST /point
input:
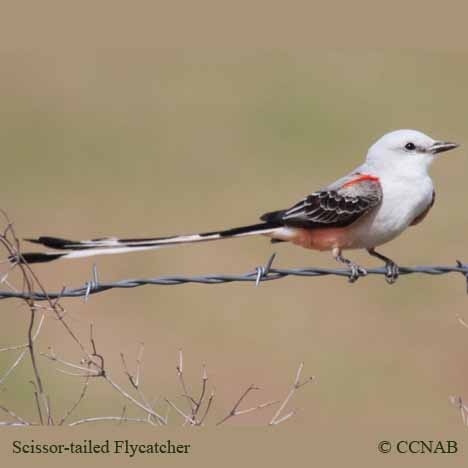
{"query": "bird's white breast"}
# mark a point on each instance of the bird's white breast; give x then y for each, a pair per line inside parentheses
(404, 198)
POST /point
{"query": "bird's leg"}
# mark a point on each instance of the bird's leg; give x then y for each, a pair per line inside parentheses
(392, 268)
(355, 270)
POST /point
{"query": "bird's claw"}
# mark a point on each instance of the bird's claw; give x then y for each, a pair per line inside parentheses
(392, 273)
(355, 272)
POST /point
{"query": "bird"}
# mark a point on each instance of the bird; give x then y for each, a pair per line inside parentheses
(368, 207)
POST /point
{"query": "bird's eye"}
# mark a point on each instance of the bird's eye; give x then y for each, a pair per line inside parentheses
(410, 146)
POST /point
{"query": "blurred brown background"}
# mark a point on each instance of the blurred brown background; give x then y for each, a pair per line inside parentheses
(156, 119)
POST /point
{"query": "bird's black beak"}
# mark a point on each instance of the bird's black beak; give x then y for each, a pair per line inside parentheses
(441, 146)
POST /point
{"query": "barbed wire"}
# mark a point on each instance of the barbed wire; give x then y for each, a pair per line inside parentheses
(258, 275)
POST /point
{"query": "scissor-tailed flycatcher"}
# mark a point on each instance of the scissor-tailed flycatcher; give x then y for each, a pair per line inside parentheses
(366, 208)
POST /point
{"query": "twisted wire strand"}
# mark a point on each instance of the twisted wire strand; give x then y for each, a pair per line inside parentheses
(257, 276)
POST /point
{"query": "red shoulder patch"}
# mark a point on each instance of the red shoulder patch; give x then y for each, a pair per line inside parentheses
(360, 178)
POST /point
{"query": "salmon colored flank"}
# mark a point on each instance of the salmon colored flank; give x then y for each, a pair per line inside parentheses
(361, 178)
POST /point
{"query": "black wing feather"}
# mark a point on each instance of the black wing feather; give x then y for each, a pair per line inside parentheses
(329, 208)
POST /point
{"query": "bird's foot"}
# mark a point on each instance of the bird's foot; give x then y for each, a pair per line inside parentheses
(392, 272)
(356, 272)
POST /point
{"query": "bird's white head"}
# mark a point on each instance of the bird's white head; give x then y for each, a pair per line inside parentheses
(407, 151)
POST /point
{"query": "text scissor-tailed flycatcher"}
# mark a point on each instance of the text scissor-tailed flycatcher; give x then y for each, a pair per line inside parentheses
(370, 206)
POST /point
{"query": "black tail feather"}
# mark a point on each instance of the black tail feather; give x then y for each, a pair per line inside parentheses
(35, 257)
(57, 243)
(114, 245)
(244, 229)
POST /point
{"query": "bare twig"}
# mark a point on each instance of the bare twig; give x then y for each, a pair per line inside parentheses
(13, 366)
(40, 387)
(458, 402)
(199, 402)
(124, 413)
(119, 419)
(100, 371)
(139, 363)
(15, 416)
(135, 380)
(207, 409)
(87, 371)
(235, 412)
(461, 321)
(258, 407)
(14, 424)
(36, 334)
(296, 386)
(77, 402)
(180, 375)
(38, 403)
(103, 373)
(133, 400)
(186, 417)
(29, 280)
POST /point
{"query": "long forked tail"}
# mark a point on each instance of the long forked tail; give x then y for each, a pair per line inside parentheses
(106, 246)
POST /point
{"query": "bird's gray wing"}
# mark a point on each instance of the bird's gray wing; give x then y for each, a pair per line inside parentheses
(337, 205)
(421, 216)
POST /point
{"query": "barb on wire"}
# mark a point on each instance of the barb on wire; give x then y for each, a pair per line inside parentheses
(257, 276)
(263, 271)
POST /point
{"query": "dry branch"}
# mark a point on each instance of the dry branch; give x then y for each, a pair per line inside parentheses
(276, 419)
(92, 365)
